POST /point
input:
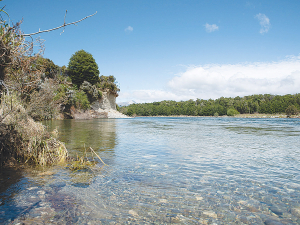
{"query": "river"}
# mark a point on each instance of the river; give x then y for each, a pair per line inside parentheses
(162, 171)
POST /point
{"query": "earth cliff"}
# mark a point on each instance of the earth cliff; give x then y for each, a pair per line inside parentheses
(101, 108)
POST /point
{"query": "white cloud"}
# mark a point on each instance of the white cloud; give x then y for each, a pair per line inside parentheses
(214, 81)
(227, 80)
(141, 96)
(210, 28)
(264, 22)
(129, 29)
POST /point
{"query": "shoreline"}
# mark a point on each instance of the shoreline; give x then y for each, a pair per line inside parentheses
(256, 115)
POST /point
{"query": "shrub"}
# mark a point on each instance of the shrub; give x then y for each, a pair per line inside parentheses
(24, 139)
(81, 100)
(232, 112)
(108, 83)
(291, 110)
(91, 90)
(42, 105)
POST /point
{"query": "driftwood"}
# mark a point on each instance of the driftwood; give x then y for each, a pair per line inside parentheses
(98, 156)
(56, 28)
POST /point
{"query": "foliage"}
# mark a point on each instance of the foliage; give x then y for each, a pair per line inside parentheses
(10, 45)
(50, 69)
(108, 83)
(26, 140)
(232, 112)
(91, 91)
(249, 104)
(18, 63)
(42, 105)
(291, 110)
(22, 138)
(83, 67)
(81, 100)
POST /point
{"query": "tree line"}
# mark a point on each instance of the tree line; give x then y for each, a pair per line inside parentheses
(265, 104)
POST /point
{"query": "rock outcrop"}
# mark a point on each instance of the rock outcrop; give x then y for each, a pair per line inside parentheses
(107, 102)
(102, 108)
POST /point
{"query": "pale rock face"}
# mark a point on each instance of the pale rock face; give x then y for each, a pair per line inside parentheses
(107, 102)
(106, 107)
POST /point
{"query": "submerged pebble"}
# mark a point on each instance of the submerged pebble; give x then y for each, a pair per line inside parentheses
(133, 213)
(272, 222)
(210, 214)
(276, 210)
(163, 200)
(32, 188)
(296, 211)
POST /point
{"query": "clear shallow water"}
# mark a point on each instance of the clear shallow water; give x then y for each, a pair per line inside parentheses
(165, 170)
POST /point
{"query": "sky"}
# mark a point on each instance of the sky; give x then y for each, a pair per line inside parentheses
(175, 49)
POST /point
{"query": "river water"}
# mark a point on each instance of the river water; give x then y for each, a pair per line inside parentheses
(164, 171)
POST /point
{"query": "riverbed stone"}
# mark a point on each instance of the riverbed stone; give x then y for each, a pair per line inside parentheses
(210, 214)
(272, 222)
(162, 200)
(199, 198)
(276, 210)
(133, 213)
(296, 211)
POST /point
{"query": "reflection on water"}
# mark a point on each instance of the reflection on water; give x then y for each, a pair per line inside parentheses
(165, 171)
(100, 134)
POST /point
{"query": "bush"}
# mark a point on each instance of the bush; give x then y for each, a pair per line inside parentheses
(108, 83)
(232, 112)
(81, 100)
(291, 110)
(24, 139)
(91, 90)
(42, 105)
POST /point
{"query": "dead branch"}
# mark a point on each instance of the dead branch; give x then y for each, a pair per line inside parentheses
(64, 25)
(98, 156)
(2, 83)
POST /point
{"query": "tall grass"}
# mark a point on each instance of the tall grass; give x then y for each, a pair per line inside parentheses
(24, 140)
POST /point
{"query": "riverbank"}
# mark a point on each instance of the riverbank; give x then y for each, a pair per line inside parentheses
(96, 114)
(255, 115)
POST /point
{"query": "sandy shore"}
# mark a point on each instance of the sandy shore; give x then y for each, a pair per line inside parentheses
(96, 114)
(115, 114)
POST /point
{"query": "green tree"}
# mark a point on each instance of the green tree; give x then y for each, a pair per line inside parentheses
(83, 67)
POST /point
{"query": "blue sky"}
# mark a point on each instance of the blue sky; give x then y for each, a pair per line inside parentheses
(176, 49)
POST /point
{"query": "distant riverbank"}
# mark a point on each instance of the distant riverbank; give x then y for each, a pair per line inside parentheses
(255, 115)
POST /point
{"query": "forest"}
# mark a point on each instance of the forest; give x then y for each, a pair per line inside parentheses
(263, 103)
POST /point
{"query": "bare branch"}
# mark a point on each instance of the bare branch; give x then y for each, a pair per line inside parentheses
(64, 25)
(2, 83)
(64, 22)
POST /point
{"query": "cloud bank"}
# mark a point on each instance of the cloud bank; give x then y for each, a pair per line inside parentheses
(211, 28)
(264, 22)
(141, 96)
(213, 81)
(227, 80)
